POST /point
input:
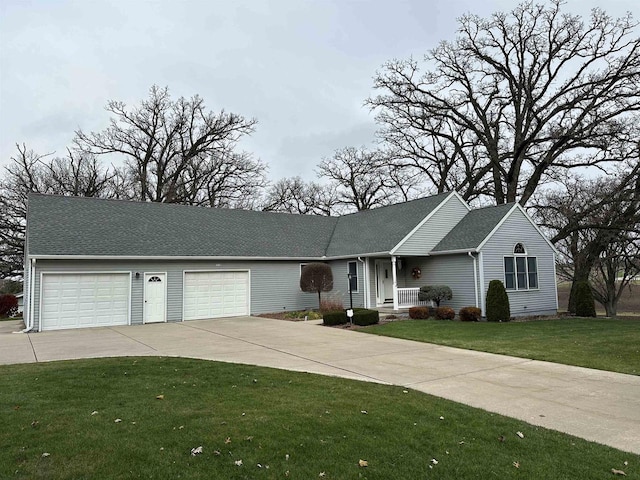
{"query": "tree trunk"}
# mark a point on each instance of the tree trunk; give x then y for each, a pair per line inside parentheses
(611, 307)
(580, 274)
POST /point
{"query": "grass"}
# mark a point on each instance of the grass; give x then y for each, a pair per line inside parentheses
(604, 344)
(280, 424)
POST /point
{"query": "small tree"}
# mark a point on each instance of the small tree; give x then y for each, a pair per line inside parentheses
(498, 309)
(8, 305)
(585, 305)
(435, 293)
(316, 277)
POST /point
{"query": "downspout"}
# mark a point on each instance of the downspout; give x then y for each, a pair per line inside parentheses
(365, 274)
(29, 323)
(395, 283)
(475, 276)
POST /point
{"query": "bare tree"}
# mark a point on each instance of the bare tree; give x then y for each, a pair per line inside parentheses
(294, 195)
(514, 99)
(589, 219)
(177, 151)
(616, 269)
(76, 174)
(359, 176)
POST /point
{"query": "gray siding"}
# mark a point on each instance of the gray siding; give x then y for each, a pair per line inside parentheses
(435, 229)
(274, 284)
(455, 271)
(340, 290)
(517, 228)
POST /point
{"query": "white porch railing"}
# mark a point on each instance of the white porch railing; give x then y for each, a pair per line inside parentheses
(408, 297)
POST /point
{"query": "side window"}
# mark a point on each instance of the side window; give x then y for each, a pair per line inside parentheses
(353, 276)
(509, 273)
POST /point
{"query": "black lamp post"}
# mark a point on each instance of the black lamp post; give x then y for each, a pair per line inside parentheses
(350, 311)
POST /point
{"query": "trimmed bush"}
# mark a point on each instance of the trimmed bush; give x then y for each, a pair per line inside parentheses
(421, 313)
(470, 314)
(498, 309)
(365, 317)
(8, 305)
(585, 305)
(435, 293)
(334, 318)
(445, 313)
(361, 316)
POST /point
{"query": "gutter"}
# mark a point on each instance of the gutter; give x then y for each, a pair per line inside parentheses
(29, 320)
(365, 274)
(475, 276)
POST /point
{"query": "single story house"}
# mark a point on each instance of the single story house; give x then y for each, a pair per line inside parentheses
(96, 262)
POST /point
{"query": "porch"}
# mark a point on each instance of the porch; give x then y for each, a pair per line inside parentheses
(391, 277)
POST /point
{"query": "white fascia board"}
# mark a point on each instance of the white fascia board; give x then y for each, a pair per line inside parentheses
(498, 225)
(456, 194)
(517, 206)
(451, 252)
(212, 258)
(422, 222)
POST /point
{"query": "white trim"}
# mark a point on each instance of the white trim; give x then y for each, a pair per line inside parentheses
(144, 295)
(515, 272)
(475, 276)
(204, 257)
(555, 281)
(483, 295)
(395, 283)
(365, 275)
(357, 290)
(516, 206)
(426, 219)
(221, 270)
(32, 296)
(80, 272)
(448, 252)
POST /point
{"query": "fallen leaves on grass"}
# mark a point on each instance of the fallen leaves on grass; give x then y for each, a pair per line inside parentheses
(501, 438)
(520, 434)
(159, 397)
(321, 474)
(364, 412)
(95, 412)
(46, 454)
(35, 424)
(363, 463)
(196, 451)
(117, 420)
(238, 463)
(516, 464)
(227, 440)
(615, 471)
(434, 461)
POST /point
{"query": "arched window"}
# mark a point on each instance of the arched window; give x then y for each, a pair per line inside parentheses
(154, 279)
(520, 270)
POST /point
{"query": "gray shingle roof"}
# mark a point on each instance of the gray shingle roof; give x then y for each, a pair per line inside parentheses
(473, 228)
(88, 226)
(60, 225)
(380, 229)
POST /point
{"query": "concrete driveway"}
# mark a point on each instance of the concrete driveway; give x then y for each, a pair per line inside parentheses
(592, 404)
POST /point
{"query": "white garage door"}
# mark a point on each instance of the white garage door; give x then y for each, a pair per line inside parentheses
(84, 300)
(215, 294)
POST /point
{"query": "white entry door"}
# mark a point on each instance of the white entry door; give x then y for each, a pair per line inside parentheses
(384, 281)
(155, 296)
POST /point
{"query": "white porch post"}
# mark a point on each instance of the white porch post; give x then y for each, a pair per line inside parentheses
(395, 283)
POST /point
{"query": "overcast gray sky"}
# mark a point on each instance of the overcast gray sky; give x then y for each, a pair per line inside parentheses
(302, 68)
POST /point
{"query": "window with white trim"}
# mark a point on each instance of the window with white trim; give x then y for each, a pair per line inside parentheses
(352, 270)
(520, 270)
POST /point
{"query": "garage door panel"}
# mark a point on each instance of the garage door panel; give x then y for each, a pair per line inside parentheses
(84, 300)
(215, 294)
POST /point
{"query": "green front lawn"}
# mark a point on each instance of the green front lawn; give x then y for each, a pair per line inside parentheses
(279, 424)
(605, 344)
